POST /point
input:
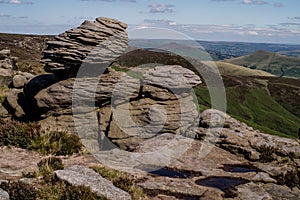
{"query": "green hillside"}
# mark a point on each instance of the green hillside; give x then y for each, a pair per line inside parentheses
(273, 63)
(236, 70)
(256, 102)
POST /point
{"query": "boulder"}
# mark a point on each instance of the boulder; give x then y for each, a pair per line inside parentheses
(82, 176)
(3, 195)
(19, 81)
(5, 53)
(14, 102)
(38, 83)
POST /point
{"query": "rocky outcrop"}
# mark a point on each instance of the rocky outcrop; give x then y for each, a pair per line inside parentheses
(7, 67)
(81, 176)
(92, 42)
(90, 48)
(155, 104)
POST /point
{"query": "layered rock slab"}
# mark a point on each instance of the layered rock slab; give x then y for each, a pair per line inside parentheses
(97, 42)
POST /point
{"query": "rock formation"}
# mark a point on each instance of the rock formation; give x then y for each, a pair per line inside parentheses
(95, 42)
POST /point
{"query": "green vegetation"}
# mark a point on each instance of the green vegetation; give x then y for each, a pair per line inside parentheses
(129, 72)
(236, 70)
(19, 190)
(252, 103)
(121, 180)
(48, 186)
(267, 154)
(30, 136)
(270, 62)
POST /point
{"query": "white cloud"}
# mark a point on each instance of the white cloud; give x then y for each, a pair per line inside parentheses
(161, 8)
(284, 32)
(254, 2)
(16, 2)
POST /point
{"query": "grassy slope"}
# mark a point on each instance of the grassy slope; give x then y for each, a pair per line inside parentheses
(270, 62)
(251, 102)
(236, 70)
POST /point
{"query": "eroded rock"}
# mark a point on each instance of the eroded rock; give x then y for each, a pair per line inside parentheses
(98, 42)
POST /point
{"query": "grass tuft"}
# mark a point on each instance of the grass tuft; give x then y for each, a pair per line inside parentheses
(121, 180)
(30, 136)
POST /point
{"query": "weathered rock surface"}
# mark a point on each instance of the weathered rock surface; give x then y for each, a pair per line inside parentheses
(15, 162)
(3, 112)
(14, 101)
(21, 79)
(79, 176)
(95, 42)
(153, 108)
(7, 67)
(3, 195)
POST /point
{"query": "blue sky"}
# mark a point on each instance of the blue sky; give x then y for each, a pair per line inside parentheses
(275, 21)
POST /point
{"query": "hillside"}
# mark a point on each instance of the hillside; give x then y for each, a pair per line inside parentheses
(273, 63)
(269, 104)
(27, 48)
(236, 70)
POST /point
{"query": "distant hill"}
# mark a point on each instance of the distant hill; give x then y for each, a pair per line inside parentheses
(237, 70)
(273, 63)
(220, 50)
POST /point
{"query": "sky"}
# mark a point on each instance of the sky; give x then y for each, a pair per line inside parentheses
(271, 21)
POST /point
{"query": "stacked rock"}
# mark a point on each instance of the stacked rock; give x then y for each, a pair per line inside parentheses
(95, 42)
(92, 46)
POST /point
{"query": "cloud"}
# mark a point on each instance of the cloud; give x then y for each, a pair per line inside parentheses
(223, 0)
(161, 8)
(131, 1)
(278, 5)
(4, 15)
(16, 2)
(294, 18)
(254, 2)
(289, 24)
(279, 33)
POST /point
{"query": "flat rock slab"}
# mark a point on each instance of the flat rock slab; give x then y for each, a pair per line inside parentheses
(14, 162)
(82, 176)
